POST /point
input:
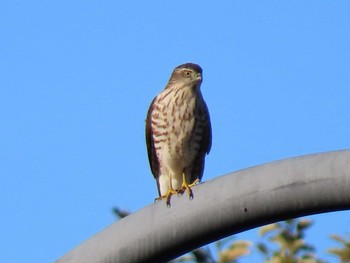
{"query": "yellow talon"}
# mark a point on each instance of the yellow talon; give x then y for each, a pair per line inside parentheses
(187, 187)
(171, 191)
(167, 196)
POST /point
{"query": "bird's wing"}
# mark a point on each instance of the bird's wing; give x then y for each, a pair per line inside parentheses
(205, 145)
(152, 155)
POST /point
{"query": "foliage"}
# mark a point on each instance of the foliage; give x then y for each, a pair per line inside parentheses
(291, 246)
(202, 255)
(120, 213)
(227, 252)
(232, 252)
(344, 252)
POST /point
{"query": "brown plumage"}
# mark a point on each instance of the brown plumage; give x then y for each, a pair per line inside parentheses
(178, 132)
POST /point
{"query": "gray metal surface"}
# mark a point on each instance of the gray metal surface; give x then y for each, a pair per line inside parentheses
(224, 206)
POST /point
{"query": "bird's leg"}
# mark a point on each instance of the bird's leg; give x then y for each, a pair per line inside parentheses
(187, 187)
(168, 195)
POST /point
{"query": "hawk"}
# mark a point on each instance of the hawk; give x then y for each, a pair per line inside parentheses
(178, 133)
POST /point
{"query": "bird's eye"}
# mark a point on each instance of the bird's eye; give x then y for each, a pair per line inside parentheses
(187, 73)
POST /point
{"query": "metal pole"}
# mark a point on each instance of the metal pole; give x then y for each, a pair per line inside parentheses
(224, 206)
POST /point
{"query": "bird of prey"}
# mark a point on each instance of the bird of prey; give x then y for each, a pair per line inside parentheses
(178, 133)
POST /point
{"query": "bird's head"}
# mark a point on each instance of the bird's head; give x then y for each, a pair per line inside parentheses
(188, 74)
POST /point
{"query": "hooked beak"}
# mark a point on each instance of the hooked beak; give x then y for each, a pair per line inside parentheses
(199, 77)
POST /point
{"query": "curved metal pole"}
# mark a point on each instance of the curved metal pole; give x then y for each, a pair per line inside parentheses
(224, 206)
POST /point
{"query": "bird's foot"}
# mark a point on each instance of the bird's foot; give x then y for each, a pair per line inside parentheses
(187, 187)
(167, 197)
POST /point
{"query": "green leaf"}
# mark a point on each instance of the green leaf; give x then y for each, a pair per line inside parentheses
(268, 228)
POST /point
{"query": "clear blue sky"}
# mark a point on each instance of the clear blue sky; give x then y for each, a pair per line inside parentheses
(77, 77)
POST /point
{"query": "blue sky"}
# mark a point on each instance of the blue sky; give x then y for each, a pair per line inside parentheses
(77, 77)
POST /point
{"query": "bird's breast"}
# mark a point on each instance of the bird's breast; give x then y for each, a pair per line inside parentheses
(173, 124)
